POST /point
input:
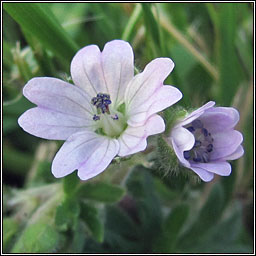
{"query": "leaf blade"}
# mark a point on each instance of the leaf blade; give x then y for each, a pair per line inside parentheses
(38, 20)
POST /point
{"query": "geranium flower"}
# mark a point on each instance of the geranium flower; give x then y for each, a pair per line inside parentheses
(108, 111)
(205, 139)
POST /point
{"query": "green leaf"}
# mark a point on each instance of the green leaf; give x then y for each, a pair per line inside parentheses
(224, 237)
(171, 229)
(67, 214)
(229, 66)
(133, 20)
(145, 207)
(9, 124)
(41, 56)
(38, 20)
(39, 237)
(7, 55)
(16, 161)
(79, 237)
(102, 192)
(152, 26)
(10, 227)
(175, 222)
(208, 216)
(90, 215)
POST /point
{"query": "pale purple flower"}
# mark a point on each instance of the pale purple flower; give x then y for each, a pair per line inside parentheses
(108, 111)
(205, 139)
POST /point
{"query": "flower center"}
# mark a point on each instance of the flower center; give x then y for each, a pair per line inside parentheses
(200, 153)
(110, 122)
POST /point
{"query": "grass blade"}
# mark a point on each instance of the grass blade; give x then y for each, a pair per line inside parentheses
(39, 21)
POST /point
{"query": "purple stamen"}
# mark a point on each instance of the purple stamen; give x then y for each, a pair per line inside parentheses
(203, 143)
(205, 132)
(186, 154)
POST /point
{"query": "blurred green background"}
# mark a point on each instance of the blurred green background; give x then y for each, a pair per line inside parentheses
(211, 45)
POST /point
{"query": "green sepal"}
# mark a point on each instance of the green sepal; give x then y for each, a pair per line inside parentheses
(168, 163)
(172, 115)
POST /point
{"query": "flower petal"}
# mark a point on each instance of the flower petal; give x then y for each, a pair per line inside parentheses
(225, 144)
(143, 87)
(134, 139)
(58, 96)
(52, 125)
(183, 138)
(178, 152)
(220, 168)
(87, 72)
(197, 113)
(220, 119)
(203, 174)
(117, 61)
(99, 160)
(237, 154)
(164, 97)
(86, 151)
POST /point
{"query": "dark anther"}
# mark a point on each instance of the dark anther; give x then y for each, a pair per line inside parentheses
(186, 154)
(191, 128)
(205, 132)
(209, 148)
(101, 102)
(95, 118)
(94, 100)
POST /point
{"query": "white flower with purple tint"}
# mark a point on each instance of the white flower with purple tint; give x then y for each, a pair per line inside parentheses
(108, 111)
(205, 139)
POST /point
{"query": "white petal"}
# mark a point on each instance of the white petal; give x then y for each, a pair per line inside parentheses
(164, 97)
(52, 125)
(178, 152)
(86, 151)
(141, 90)
(117, 61)
(87, 72)
(203, 174)
(197, 113)
(99, 160)
(225, 143)
(220, 168)
(220, 119)
(237, 154)
(134, 139)
(183, 138)
(59, 96)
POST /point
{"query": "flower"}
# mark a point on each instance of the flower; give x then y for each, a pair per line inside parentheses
(107, 112)
(205, 139)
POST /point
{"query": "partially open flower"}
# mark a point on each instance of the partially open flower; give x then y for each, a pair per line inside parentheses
(205, 139)
(108, 111)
